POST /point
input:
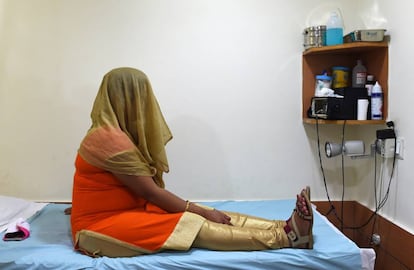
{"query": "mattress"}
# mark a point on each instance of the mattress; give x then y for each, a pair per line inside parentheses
(49, 247)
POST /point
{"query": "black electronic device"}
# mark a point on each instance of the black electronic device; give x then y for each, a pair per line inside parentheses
(337, 108)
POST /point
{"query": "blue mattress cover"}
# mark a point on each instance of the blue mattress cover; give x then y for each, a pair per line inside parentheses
(50, 246)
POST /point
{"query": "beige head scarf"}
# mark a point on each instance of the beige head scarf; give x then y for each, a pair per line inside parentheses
(128, 132)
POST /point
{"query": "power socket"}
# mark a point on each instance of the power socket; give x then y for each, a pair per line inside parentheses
(400, 148)
(376, 239)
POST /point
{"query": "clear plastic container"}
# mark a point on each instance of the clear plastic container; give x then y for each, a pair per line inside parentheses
(334, 29)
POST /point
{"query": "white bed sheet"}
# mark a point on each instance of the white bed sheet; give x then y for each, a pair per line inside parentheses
(12, 208)
(50, 247)
(368, 255)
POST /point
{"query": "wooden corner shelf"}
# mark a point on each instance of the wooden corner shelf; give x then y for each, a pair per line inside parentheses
(341, 122)
(374, 56)
(346, 48)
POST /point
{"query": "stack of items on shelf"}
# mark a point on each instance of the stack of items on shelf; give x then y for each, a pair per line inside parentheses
(336, 98)
(332, 33)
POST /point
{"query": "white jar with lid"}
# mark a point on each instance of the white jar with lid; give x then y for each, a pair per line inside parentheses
(322, 83)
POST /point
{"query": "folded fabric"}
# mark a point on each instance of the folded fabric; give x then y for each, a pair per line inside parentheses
(17, 230)
(12, 208)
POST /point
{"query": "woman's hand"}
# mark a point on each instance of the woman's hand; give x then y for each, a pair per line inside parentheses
(144, 187)
(217, 216)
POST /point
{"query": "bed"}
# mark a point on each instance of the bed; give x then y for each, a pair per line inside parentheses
(49, 246)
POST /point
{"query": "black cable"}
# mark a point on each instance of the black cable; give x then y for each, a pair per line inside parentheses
(332, 207)
(378, 204)
(384, 199)
(343, 177)
(375, 188)
(320, 162)
(374, 214)
(375, 176)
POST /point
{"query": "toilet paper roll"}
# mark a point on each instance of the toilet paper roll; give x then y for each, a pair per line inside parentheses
(362, 109)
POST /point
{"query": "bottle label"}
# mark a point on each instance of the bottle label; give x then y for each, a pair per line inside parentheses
(361, 78)
(376, 106)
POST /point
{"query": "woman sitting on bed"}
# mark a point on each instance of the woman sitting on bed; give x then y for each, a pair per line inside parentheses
(120, 206)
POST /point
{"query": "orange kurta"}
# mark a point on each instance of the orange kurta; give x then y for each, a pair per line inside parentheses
(127, 136)
(102, 204)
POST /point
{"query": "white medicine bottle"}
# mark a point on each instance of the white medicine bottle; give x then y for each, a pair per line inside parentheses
(334, 29)
(376, 102)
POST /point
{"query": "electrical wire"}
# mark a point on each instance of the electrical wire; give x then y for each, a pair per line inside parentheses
(375, 192)
(343, 177)
(382, 202)
(332, 208)
(378, 203)
(386, 196)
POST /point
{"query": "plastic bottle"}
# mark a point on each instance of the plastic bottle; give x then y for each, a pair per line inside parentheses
(369, 85)
(359, 75)
(376, 102)
(334, 30)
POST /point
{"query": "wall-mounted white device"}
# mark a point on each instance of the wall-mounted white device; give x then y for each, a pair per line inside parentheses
(386, 142)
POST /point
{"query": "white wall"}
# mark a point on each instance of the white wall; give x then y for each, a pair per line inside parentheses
(227, 75)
